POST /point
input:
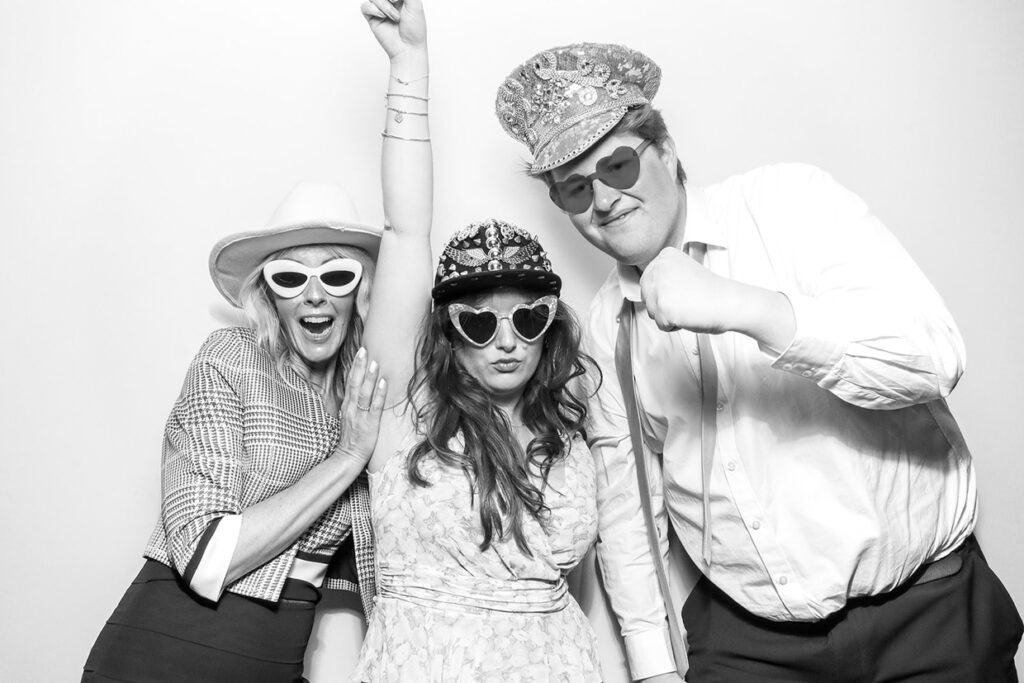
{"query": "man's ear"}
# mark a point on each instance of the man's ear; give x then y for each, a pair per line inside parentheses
(667, 154)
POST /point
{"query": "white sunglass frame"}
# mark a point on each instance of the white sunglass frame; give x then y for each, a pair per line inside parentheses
(289, 266)
(454, 310)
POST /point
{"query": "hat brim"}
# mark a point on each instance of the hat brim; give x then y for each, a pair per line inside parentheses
(575, 140)
(539, 280)
(235, 257)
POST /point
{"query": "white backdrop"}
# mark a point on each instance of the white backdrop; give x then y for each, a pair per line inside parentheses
(134, 134)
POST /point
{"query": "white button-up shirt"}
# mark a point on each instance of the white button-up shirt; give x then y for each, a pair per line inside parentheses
(839, 469)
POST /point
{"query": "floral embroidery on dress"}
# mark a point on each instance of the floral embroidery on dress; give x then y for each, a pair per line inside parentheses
(447, 611)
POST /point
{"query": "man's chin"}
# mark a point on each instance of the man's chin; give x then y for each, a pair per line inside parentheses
(638, 260)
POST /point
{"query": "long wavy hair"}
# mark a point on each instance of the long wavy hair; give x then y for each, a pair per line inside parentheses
(453, 406)
(258, 306)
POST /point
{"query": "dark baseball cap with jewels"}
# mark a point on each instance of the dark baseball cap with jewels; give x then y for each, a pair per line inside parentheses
(490, 254)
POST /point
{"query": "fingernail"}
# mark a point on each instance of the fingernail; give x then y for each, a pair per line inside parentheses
(361, 353)
(381, 383)
(373, 366)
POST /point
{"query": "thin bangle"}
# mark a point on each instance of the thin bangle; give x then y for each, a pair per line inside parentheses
(426, 75)
(399, 137)
(411, 97)
(400, 113)
(406, 111)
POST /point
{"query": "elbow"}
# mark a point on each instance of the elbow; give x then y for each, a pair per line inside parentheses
(951, 368)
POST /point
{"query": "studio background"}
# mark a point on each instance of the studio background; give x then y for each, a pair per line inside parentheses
(133, 135)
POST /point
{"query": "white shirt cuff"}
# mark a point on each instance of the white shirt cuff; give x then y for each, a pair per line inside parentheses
(811, 353)
(208, 579)
(649, 653)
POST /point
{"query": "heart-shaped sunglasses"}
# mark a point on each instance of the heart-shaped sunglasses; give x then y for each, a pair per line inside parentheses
(479, 326)
(620, 170)
(288, 278)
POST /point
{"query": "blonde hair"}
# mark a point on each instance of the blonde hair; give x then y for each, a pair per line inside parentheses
(258, 306)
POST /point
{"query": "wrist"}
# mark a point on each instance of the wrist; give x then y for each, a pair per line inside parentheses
(351, 456)
(410, 63)
(762, 314)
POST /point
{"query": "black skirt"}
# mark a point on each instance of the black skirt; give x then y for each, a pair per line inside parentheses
(161, 631)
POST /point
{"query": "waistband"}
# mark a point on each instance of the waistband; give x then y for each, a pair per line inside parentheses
(296, 590)
(470, 593)
(944, 566)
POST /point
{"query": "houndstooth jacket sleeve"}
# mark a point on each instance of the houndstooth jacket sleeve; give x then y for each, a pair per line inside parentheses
(202, 467)
(238, 434)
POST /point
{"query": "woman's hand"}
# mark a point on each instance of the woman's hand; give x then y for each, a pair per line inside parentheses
(360, 412)
(399, 26)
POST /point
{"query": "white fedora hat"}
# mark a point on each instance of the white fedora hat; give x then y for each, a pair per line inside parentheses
(312, 213)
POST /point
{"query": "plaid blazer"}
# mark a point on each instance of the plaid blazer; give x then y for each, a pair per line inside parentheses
(238, 434)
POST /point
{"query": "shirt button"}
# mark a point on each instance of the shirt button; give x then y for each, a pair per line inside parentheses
(783, 580)
(720, 406)
(696, 351)
(786, 366)
(731, 466)
(806, 373)
(757, 525)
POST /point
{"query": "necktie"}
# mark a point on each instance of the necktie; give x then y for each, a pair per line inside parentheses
(709, 428)
(708, 418)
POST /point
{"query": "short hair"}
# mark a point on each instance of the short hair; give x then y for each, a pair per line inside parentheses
(646, 122)
(261, 312)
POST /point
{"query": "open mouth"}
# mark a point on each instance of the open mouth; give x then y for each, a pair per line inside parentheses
(317, 325)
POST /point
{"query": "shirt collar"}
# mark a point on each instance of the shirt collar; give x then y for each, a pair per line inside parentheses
(700, 224)
(699, 227)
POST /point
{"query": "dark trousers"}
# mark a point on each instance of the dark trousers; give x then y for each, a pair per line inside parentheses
(161, 632)
(960, 628)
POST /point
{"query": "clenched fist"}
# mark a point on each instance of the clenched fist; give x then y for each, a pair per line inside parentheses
(681, 294)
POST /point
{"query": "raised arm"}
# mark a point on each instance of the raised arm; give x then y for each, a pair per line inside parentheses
(401, 288)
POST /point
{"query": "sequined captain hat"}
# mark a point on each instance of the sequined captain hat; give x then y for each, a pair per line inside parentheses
(492, 253)
(563, 100)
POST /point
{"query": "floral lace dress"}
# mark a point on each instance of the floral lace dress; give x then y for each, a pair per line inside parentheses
(447, 611)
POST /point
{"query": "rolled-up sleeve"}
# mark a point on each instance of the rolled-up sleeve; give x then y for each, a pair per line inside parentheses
(871, 328)
(627, 567)
(201, 476)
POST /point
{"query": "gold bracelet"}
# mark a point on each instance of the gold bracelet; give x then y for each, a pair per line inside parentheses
(400, 113)
(411, 97)
(399, 137)
(427, 75)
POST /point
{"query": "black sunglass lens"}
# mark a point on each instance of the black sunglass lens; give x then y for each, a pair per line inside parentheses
(288, 280)
(620, 169)
(573, 194)
(337, 278)
(478, 327)
(530, 322)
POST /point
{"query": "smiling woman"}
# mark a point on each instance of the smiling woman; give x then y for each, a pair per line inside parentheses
(262, 456)
(295, 308)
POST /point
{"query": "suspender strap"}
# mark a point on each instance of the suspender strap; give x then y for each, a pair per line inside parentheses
(624, 369)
